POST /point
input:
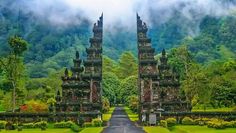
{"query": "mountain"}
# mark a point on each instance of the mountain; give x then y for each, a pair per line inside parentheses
(52, 47)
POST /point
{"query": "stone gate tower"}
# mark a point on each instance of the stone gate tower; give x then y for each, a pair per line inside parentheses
(158, 82)
(81, 90)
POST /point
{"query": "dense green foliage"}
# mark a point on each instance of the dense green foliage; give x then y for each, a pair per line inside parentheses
(211, 84)
(119, 82)
(63, 124)
(171, 122)
(52, 46)
(13, 69)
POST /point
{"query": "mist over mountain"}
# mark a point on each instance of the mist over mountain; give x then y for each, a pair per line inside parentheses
(56, 28)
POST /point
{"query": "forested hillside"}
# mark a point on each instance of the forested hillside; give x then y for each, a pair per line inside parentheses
(51, 47)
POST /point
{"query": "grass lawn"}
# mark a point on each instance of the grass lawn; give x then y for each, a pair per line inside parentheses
(201, 129)
(188, 129)
(107, 116)
(60, 130)
(132, 116)
(39, 131)
(92, 130)
(156, 130)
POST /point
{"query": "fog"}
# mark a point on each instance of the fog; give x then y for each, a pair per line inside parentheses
(122, 13)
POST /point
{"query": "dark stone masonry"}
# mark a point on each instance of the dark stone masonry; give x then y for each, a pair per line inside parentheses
(81, 91)
(158, 81)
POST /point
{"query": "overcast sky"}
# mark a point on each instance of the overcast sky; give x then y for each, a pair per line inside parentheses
(122, 12)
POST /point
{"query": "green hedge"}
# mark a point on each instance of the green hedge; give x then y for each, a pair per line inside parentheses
(41, 124)
(2, 124)
(163, 123)
(63, 124)
(97, 122)
(221, 124)
(188, 121)
(75, 128)
(28, 125)
(201, 121)
(87, 124)
(171, 122)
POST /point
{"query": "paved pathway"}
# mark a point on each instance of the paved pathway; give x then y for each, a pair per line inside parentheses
(120, 123)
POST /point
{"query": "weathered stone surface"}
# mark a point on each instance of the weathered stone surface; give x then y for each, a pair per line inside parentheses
(158, 82)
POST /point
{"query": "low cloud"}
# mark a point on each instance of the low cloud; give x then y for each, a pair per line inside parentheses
(122, 13)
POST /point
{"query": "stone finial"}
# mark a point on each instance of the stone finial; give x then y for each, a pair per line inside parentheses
(58, 96)
(58, 93)
(77, 55)
(66, 73)
(163, 52)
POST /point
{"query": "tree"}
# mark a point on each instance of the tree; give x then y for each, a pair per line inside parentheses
(128, 87)
(189, 84)
(222, 82)
(127, 65)
(14, 67)
(181, 59)
(109, 65)
(111, 87)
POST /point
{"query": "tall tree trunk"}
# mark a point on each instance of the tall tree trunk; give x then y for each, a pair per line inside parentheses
(13, 97)
(14, 83)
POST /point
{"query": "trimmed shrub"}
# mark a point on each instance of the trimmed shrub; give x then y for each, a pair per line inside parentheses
(41, 124)
(163, 123)
(87, 124)
(201, 121)
(188, 121)
(2, 124)
(10, 126)
(28, 125)
(218, 124)
(19, 128)
(75, 128)
(233, 124)
(133, 103)
(105, 104)
(171, 122)
(15, 126)
(227, 124)
(63, 124)
(97, 122)
(234, 108)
